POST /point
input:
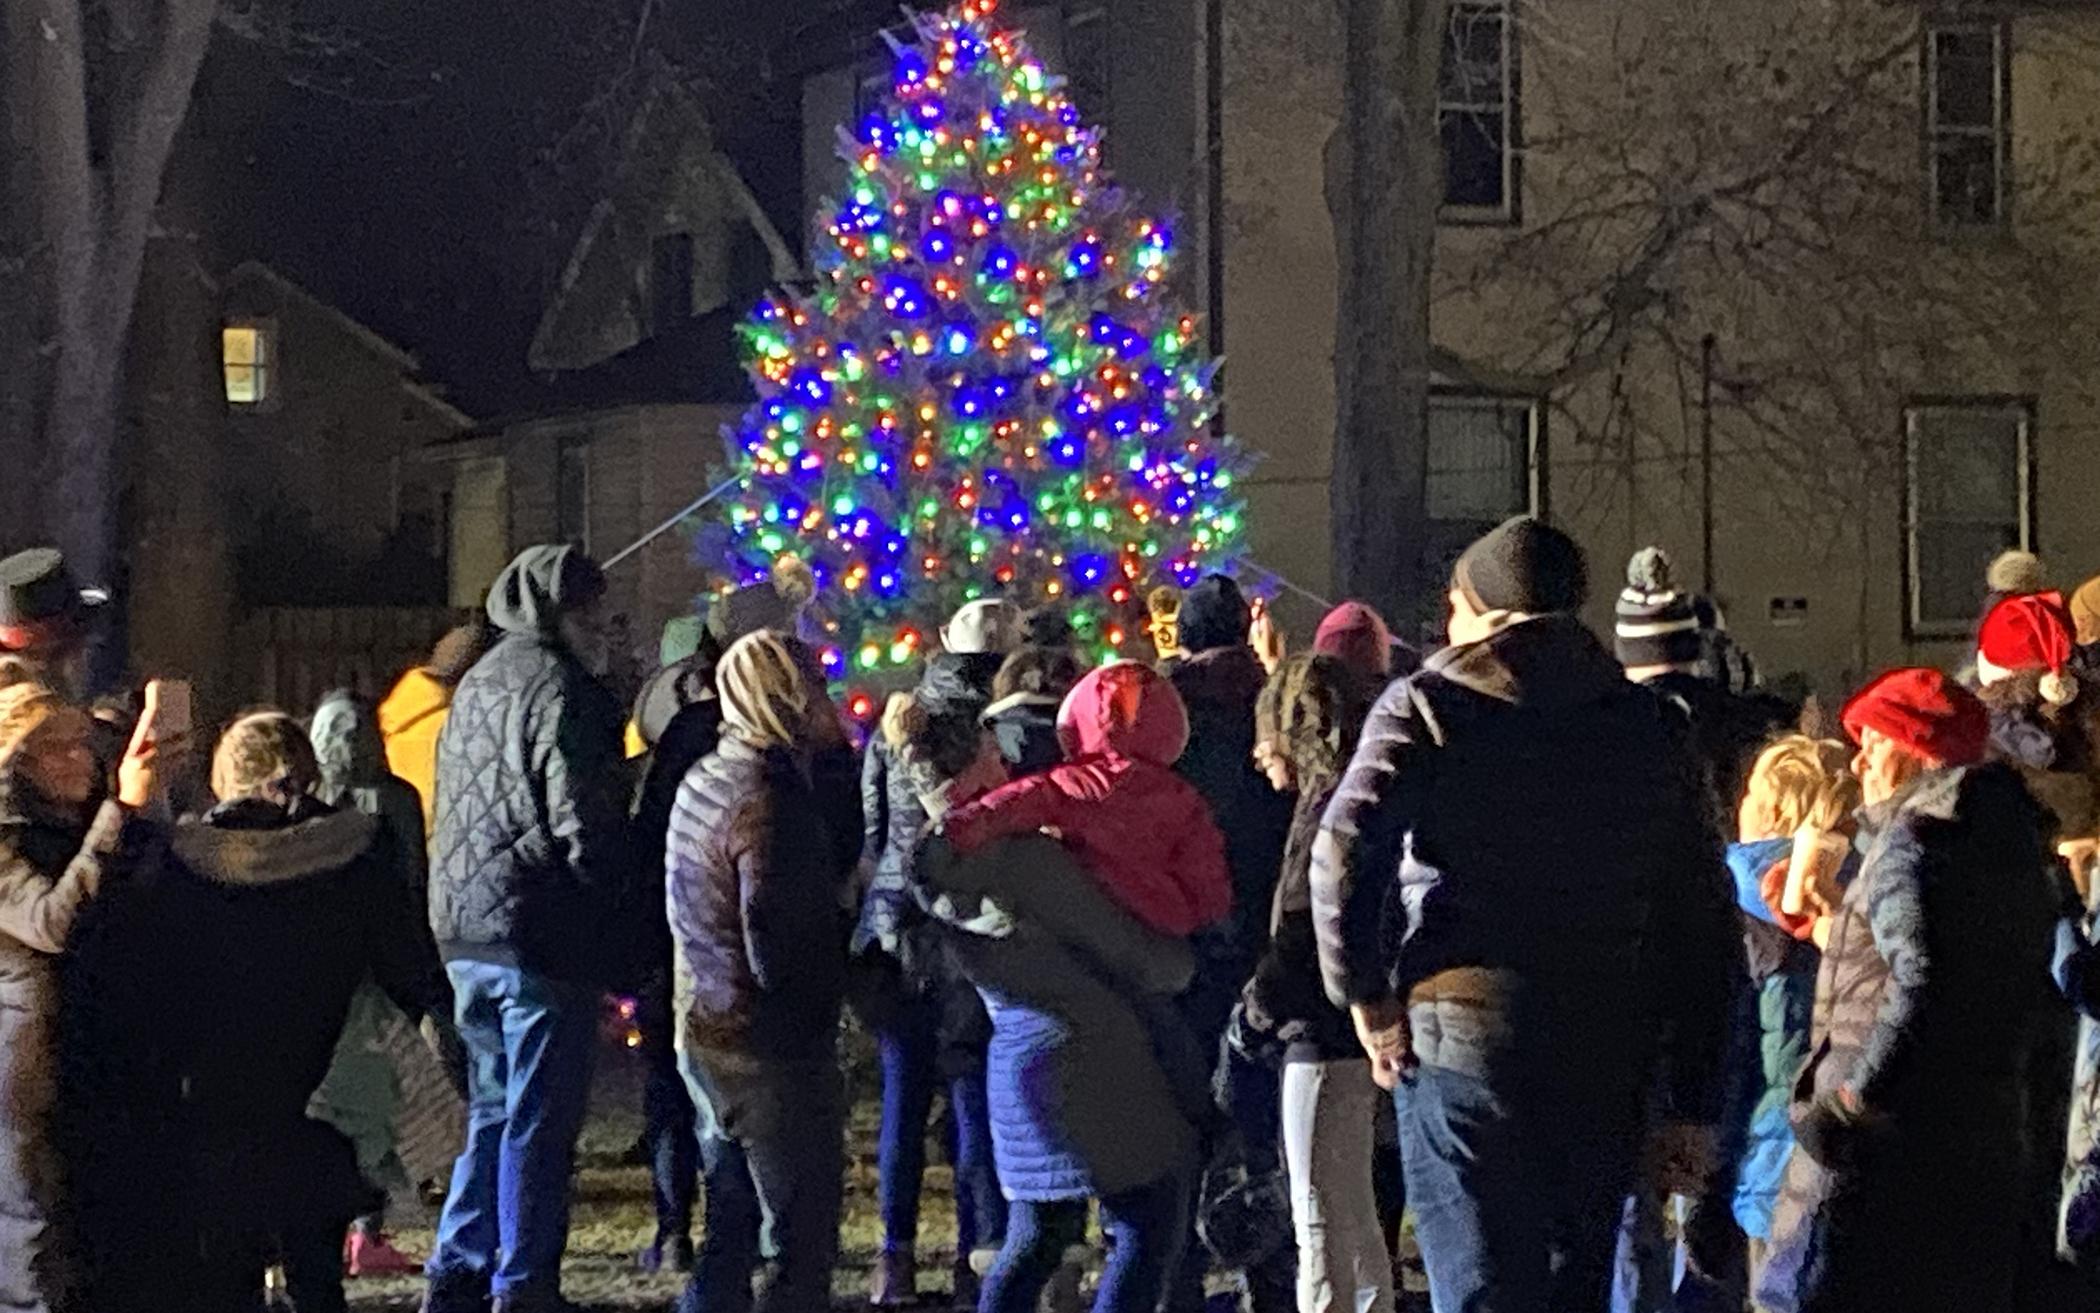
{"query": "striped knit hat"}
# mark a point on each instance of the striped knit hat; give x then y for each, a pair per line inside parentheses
(1657, 624)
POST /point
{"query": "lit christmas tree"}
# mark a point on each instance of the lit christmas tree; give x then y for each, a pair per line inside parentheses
(991, 390)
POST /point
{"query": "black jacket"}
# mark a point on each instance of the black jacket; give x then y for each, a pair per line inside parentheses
(1725, 731)
(219, 993)
(1285, 999)
(1219, 688)
(1521, 850)
(529, 855)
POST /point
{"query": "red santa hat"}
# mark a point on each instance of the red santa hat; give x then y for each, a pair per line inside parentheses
(1926, 712)
(2032, 631)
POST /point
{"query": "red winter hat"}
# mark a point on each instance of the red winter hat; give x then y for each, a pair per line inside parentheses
(1357, 636)
(2032, 631)
(1926, 712)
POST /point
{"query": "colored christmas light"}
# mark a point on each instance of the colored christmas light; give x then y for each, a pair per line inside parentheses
(990, 388)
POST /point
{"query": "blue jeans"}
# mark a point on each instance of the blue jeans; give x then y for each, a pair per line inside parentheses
(674, 1150)
(1706, 1271)
(772, 1141)
(908, 1049)
(1516, 1209)
(1145, 1228)
(530, 1041)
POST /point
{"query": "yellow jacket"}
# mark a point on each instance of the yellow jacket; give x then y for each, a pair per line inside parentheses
(409, 720)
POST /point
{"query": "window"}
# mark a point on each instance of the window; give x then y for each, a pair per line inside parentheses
(572, 493)
(1967, 81)
(1483, 459)
(1966, 499)
(1089, 64)
(1478, 114)
(670, 281)
(248, 357)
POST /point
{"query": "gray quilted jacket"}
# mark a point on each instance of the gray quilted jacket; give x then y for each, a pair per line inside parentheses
(529, 863)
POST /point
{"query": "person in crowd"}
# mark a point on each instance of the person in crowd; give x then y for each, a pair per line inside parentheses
(412, 715)
(2043, 718)
(1359, 637)
(930, 736)
(61, 842)
(2084, 606)
(380, 1061)
(761, 850)
(1330, 1102)
(1560, 902)
(274, 910)
(1219, 679)
(1909, 1187)
(530, 863)
(676, 742)
(47, 618)
(1675, 645)
(1141, 831)
(1796, 782)
(1030, 687)
(1048, 626)
(2077, 972)
(1089, 1072)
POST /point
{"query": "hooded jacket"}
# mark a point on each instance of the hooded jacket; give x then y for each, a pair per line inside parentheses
(1530, 826)
(270, 919)
(1140, 830)
(1932, 993)
(529, 857)
(354, 774)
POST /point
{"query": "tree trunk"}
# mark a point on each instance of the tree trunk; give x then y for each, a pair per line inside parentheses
(96, 118)
(1387, 177)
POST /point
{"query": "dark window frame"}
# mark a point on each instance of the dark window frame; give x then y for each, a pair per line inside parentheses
(1095, 105)
(1535, 438)
(1918, 628)
(578, 450)
(1931, 131)
(1510, 212)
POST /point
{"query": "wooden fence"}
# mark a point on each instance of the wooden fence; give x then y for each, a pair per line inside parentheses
(298, 654)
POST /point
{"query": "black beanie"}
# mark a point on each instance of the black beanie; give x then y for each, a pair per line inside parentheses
(1214, 614)
(1523, 565)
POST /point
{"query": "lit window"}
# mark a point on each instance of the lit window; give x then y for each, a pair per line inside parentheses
(1478, 114)
(1483, 459)
(245, 355)
(1966, 499)
(1967, 78)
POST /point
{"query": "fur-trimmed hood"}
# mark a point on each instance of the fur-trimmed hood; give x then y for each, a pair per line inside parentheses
(233, 845)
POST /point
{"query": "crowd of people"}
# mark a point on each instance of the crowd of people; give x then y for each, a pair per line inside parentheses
(1634, 985)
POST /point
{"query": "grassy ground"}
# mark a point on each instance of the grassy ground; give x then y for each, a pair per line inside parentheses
(613, 1218)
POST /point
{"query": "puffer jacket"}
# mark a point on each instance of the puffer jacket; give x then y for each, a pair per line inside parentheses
(50, 871)
(1219, 687)
(530, 860)
(1082, 1103)
(1932, 992)
(1138, 828)
(1529, 825)
(761, 856)
(956, 686)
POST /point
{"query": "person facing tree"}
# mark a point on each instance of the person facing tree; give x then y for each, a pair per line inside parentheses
(530, 864)
(1538, 830)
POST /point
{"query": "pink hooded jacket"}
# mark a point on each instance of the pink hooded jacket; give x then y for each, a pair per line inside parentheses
(1138, 828)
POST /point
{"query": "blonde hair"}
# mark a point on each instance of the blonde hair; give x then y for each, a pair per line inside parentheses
(766, 698)
(264, 754)
(1799, 781)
